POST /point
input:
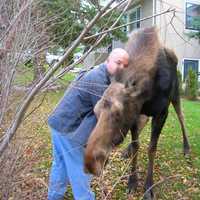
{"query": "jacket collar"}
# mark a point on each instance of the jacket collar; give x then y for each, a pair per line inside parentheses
(103, 66)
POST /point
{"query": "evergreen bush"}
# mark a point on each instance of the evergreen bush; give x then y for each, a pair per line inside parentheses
(191, 90)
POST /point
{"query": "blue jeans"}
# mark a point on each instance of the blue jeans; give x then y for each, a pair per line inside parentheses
(67, 168)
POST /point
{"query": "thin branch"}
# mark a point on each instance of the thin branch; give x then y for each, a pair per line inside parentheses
(20, 114)
(181, 37)
(15, 20)
(68, 68)
(159, 183)
(35, 108)
(180, 34)
(122, 176)
(114, 7)
(121, 26)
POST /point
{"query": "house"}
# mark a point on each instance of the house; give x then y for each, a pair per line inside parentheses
(173, 30)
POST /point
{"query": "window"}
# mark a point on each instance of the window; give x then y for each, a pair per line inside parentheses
(190, 64)
(133, 15)
(125, 28)
(192, 16)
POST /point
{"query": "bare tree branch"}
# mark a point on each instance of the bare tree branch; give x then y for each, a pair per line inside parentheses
(159, 183)
(143, 19)
(20, 114)
(68, 68)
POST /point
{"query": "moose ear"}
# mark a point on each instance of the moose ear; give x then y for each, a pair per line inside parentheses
(106, 103)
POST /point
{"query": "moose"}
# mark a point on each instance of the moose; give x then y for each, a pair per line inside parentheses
(144, 89)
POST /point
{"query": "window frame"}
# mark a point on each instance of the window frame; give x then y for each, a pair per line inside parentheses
(134, 9)
(185, 14)
(192, 59)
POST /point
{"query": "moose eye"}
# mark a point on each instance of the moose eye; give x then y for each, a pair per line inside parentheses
(116, 116)
(107, 103)
(133, 83)
(130, 83)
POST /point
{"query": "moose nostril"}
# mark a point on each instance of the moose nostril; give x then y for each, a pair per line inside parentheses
(88, 164)
(100, 157)
(95, 161)
(89, 168)
(86, 170)
(95, 165)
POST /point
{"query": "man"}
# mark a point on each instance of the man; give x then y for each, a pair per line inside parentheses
(71, 124)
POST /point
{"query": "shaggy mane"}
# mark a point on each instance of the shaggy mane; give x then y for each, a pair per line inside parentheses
(143, 47)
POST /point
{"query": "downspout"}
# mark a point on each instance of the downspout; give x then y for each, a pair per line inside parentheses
(154, 12)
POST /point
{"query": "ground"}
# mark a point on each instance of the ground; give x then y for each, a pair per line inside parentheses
(177, 177)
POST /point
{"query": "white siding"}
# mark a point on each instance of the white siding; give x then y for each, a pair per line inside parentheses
(147, 10)
(176, 37)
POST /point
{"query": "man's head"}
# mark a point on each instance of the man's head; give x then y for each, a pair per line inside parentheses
(117, 60)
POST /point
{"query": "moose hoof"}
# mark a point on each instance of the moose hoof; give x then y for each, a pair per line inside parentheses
(132, 184)
(186, 152)
(148, 196)
(128, 152)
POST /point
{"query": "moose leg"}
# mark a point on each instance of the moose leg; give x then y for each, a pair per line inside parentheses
(157, 124)
(177, 106)
(143, 119)
(133, 149)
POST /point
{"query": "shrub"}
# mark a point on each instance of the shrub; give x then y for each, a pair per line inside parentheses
(191, 90)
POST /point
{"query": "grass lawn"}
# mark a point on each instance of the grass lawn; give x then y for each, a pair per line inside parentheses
(170, 162)
(25, 75)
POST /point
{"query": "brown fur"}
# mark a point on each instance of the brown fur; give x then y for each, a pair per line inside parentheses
(141, 41)
(142, 47)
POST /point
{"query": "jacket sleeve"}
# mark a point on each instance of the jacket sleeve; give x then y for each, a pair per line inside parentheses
(83, 132)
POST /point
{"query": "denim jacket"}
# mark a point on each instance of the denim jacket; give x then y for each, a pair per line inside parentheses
(74, 113)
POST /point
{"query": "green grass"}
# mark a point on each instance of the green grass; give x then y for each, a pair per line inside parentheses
(67, 77)
(24, 76)
(169, 161)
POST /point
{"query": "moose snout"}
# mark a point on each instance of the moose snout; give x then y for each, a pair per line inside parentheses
(95, 162)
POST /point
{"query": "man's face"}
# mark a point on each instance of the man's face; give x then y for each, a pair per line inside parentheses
(116, 62)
